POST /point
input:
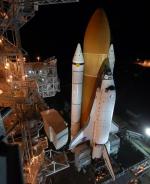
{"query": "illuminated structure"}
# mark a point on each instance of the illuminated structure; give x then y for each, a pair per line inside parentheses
(55, 128)
(21, 81)
(45, 74)
(23, 86)
(143, 63)
(14, 14)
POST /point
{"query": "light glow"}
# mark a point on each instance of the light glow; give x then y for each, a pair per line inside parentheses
(1, 91)
(1, 41)
(7, 65)
(145, 63)
(38, 58)
(8, 80)
(147, 131)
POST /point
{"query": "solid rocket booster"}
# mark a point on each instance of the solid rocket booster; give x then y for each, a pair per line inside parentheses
(95, 49)
(77, 80)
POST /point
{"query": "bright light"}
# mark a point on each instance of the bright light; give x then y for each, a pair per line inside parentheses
(38, 58)
(7, 65)
(147, 131)
(8, 80)
(1, 91)
(5, 15)
(1, 41)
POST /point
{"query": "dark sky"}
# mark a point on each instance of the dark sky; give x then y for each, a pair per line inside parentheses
(56, 30)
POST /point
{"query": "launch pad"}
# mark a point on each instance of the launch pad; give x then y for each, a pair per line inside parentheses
(28, 126)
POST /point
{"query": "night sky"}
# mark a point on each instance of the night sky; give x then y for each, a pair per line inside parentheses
(56, 30)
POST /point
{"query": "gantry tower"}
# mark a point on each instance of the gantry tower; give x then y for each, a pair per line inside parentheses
(19, 86)
(15, 13)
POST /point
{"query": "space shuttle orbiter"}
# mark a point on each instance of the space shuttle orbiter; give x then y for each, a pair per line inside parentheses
(98, 95)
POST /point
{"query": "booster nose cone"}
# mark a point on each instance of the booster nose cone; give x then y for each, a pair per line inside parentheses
(78, 56)
(111, 57)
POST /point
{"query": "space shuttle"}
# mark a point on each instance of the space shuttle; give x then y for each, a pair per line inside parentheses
(93, 90)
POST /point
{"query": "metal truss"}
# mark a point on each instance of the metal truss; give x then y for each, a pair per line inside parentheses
(15, 13)
(47, 2)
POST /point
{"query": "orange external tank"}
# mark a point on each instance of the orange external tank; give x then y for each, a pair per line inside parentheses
(95, 48)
